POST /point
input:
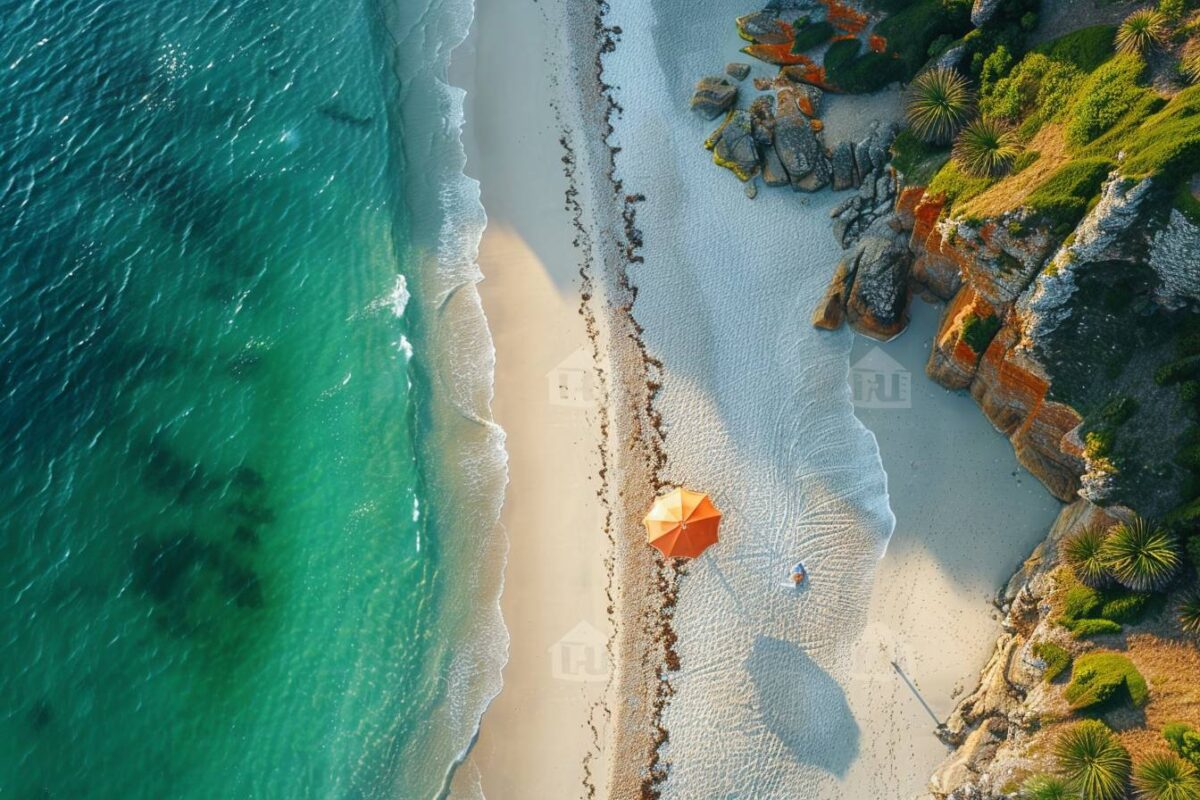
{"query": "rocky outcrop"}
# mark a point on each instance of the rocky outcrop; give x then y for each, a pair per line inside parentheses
(863, 164)
(733, 145)
(714, 95)
(982, 11)
(875, 283)
(1173, 258)
(1110, 232)
(991, 726)
(737, 70)
(762, 27)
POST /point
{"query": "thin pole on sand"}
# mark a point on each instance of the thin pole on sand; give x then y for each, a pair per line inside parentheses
(916, 693)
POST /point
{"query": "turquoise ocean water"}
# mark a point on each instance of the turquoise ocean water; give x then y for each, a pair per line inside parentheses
(247, 484)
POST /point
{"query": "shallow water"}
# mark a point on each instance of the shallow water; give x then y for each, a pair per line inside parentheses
(226, 537)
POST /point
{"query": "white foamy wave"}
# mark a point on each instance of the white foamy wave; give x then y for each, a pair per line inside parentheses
(464, 459)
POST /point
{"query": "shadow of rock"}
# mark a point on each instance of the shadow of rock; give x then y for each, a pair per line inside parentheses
(803, 705)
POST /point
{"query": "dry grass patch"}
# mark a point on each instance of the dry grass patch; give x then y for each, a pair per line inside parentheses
(1011, 192)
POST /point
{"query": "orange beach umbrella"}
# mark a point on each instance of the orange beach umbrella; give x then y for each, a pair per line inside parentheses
(682, 523)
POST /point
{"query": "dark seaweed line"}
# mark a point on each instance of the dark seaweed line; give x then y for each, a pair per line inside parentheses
(661, 627)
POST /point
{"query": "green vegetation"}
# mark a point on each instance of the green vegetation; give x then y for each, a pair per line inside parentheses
(978, 331)
(1105, 98)
(1166, 777)
(1189, 59)
(913, 28)
(1085, 628)
(1083, 552)
(916, 160)
(1142, 31)
(811, 34)
(1168, 140)
(1064, 198)
(854, 73)
(1142, 556)
(938, 104)
(1184, 740)
(1184, 369)
(1035, 89)
(1186, 202)
(1056, 657)
(986, 148)
(1047, 787)
(1117, 411)
(1099, 679)
(957, 186)
(1085, 49)
(1189, 612)
(1088, 611)
(1092, 761)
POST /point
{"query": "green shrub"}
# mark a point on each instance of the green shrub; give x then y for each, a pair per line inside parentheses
(916, 160)
(956, 185)
(1098, 443)
(1047, 787)
(1080, 601)
(912, 30)
(1166, 777)
(1063, 199)
(1057, 659)
(995, 67)
(1167, 142)
(854, 73)
(1117, 411)
(978, 331)
(1141, 555)
(1181, 370)
(1086, 48)
(1107, 96)
(1093, 762)
(1037, 87)
(811, 34)
(1172, 10)
(1083, 628)
(1101, 678)
(1184, 740)
(1124, 607)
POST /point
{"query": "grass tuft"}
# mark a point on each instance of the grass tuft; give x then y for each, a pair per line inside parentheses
(938, 103)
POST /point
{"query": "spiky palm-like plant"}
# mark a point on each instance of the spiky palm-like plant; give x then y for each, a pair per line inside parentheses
(937, 104)
(1141, 31)
(1085, 553)
(1046, 787)
(1189, 59)
(986, 148)
(1166, 777)
(1189, 612)
(1141, 556)
(1092, 761)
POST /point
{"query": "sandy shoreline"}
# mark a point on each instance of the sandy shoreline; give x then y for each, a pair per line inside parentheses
(854, 725)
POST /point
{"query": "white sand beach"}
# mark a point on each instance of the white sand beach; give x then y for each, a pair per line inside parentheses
(777, 689)
(538, 732)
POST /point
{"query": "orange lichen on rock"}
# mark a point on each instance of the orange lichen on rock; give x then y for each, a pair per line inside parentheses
(952, 362)
(877, 43)
(1011, 389)
(844, 17)
(816, 124)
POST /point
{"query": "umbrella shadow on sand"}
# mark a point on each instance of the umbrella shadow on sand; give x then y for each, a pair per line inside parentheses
(803, 705)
